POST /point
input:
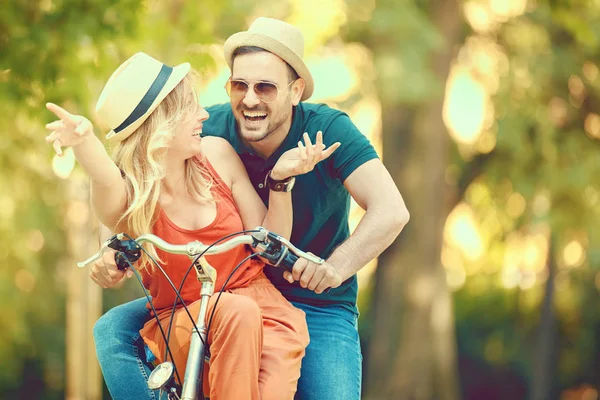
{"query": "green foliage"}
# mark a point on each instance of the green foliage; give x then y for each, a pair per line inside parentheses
(543, 149)
(539, 148)
(546, 150)
(49, 52)
(63, 51)
(403, 36)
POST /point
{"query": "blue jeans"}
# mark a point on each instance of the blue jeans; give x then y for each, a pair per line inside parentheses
(332, 365)
(120, 351)
(331, 368)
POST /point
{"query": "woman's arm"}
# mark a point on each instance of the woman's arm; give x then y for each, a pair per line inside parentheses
(252, 210)
(278, 218)
(109, 195)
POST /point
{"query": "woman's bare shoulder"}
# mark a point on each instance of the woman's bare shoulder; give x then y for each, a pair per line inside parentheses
(215, 144)
(220, 154)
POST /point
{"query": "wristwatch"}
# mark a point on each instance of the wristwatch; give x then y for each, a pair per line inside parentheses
(284, 185)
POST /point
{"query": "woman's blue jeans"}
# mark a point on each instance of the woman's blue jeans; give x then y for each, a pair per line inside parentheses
(331, 368)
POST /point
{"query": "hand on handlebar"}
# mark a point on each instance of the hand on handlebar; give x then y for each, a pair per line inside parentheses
(105, 273)
(316, 277)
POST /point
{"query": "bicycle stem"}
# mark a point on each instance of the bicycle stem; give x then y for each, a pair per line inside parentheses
(206, 275)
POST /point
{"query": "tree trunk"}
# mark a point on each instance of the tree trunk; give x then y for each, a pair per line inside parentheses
(412, 349)
(544, 370)
(84, 299)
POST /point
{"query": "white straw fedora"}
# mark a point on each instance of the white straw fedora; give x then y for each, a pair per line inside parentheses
(277, 37)
(134, 90)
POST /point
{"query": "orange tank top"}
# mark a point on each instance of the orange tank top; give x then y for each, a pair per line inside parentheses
(227, 221)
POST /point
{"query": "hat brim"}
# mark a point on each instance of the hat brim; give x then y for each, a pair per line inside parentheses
(179, 72)
(242, 39)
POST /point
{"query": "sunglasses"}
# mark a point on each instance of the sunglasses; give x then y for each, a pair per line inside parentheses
(266, 92)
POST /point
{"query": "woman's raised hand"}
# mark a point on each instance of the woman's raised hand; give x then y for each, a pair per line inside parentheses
(69, 130)
(303, 158)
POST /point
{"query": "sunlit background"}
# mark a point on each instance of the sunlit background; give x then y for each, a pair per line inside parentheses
(504, 93)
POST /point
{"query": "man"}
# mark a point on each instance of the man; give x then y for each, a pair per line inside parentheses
(266, 117)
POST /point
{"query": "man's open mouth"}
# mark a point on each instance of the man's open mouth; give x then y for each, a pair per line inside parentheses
(254, 116)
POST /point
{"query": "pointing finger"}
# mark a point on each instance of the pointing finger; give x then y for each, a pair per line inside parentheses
(61, 113)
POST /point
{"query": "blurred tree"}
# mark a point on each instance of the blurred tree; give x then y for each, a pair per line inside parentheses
(49, 52)
(528, 172)
(530, 176)
(541, 180)
(63, 51)
(412, 351)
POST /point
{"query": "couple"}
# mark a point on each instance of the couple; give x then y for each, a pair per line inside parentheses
(264, 125)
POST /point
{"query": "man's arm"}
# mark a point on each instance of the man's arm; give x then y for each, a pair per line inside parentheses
(374, 190)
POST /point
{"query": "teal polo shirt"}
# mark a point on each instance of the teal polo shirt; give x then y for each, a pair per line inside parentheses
(321, 202)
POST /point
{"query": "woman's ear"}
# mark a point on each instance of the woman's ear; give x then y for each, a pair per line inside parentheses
(297, 90)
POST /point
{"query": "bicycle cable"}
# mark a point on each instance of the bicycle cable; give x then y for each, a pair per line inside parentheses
(206, 347)
(173, 309)
(178, 298)
(177, 294)
(162, 332)
(223, 288)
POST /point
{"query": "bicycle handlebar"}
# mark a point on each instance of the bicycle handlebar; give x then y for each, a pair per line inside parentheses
(276, 249)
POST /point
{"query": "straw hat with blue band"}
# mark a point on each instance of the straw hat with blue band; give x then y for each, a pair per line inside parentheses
(134, 91)
(279, 38)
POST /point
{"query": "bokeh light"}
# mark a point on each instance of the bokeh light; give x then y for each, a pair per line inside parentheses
(465, 107)
(63, 165)
(461, 231)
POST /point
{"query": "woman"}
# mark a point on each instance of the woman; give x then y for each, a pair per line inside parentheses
(166, 180)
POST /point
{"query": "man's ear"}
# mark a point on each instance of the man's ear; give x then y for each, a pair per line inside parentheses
(297, 90)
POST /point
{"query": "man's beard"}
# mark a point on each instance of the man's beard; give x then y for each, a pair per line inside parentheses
(259, 135)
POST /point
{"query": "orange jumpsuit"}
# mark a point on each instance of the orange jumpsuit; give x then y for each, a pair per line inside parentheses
(257, 338)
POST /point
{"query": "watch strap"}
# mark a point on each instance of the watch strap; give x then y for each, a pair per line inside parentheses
(284, 185)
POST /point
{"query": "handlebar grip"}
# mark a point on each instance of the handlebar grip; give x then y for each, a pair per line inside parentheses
(288, 261)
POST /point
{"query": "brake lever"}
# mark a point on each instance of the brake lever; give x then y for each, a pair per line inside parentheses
(310, 257)
(126, 248)
(94, 257)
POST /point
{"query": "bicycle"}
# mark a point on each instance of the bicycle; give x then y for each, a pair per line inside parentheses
(276, 250)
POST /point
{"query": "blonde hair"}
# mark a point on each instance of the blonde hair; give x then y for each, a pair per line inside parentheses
(141, 158)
